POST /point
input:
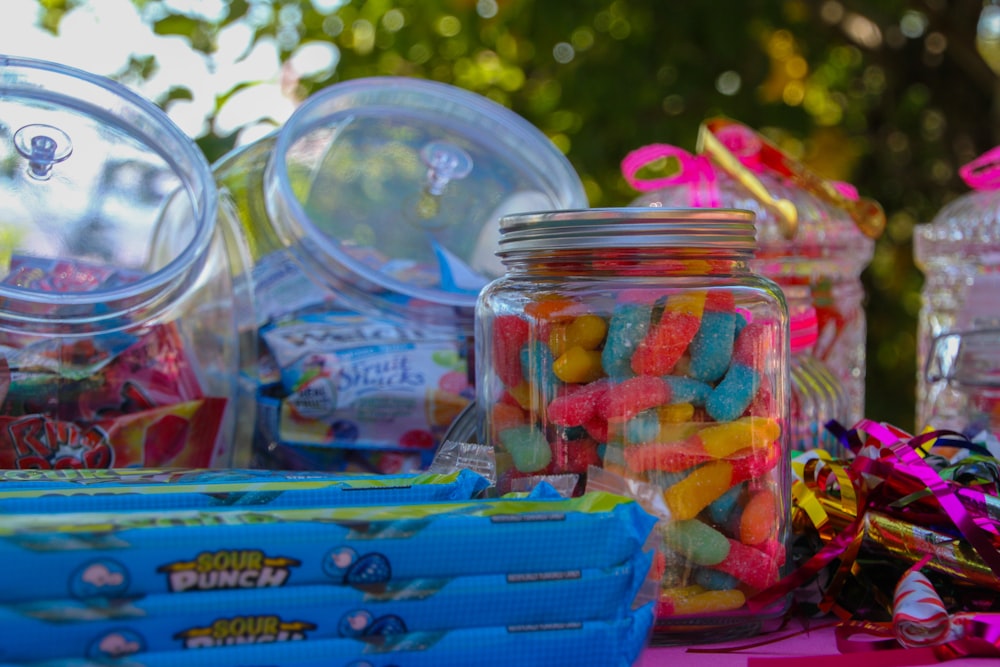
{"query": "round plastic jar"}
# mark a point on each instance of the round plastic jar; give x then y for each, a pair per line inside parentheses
(372, 218)
(121, 285)
(634, 349)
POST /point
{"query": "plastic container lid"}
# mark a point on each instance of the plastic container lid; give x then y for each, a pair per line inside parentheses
(392, 189)
(90, 173)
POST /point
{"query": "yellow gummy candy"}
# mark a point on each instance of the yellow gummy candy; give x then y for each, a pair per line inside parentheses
(577, 365)
(710, 601)
(722, 440)
(675, 413)
(587, 331)
(692, 303)
(695, 492)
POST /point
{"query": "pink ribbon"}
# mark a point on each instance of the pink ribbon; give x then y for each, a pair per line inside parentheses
(694, 171)
(983, 173)
(746, 146)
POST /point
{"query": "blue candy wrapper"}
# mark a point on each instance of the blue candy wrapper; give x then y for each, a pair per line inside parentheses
(44, 491)
(103, 629)
(604, 643)
(116, 554)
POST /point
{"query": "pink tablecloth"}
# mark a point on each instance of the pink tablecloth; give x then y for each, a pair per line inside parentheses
(792, 647)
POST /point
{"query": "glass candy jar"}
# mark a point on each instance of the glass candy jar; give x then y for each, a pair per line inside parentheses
(121, 284)
(817, 396)
(814, 237)
(372, 218)
(637, 343)
(959, 255)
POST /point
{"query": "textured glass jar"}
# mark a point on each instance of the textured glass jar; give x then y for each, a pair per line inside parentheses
(817, 396)
(639, 342)
(959, 255)
(372, 218)
(123, 286)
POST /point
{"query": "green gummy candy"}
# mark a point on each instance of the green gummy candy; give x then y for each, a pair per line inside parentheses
(527, 446)
(697, 541)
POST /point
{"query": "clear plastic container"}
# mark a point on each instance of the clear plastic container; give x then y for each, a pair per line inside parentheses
(121, 284)
(372, 217)
(637, 343)
(809, 237)
(959, 254)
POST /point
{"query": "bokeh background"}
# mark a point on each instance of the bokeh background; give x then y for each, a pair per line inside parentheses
(890, 95)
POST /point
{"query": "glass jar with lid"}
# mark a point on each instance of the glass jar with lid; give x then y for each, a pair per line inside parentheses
(958, 252)
(637, 342)
(814, 237)
(372, 217)
(122, 283)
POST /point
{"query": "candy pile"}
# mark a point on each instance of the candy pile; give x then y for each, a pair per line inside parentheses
(675, 389)
(94, 401)
(317, 569)
(898, 501)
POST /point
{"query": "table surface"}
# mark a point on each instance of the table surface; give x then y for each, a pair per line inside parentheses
(788, 648)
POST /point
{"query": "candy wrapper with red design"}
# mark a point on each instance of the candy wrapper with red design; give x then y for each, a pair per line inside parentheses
(897, 501)
(172, 436)
(118, 398)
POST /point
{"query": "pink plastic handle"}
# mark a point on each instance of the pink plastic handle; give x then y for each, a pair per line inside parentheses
(983, 173)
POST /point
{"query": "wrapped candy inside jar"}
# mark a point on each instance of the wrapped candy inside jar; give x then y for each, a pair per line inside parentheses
(122, 287)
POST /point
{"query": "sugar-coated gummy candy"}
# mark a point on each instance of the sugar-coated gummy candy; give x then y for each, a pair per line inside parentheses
(688, 390)
(695, 600)
(626, 329)
(732, 396)
(675, 413)
(510, 334)
(754, 567)
(579, 405)
(574, 456)
(723, 507)
(629, 397)
(698, 542)
(712, 347)
(723, 440)
(537, 365)
(759, 519)
(714, 580)
(696, 491)
(666, 342)
(528, 447)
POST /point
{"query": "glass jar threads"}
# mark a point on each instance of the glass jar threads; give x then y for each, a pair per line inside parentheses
(637, 341)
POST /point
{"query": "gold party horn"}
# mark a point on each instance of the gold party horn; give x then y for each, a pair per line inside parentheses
(866, 213)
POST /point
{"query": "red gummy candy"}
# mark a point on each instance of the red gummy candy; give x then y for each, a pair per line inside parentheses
(578, 406)
(752, 345)
(574, 456)
(753, 567)
(630, 397)
(720, 302)
(597, 428)
(665, 344)
(667, 457)
(510, 334)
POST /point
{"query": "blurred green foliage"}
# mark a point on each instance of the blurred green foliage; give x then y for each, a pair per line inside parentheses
(890, 95)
